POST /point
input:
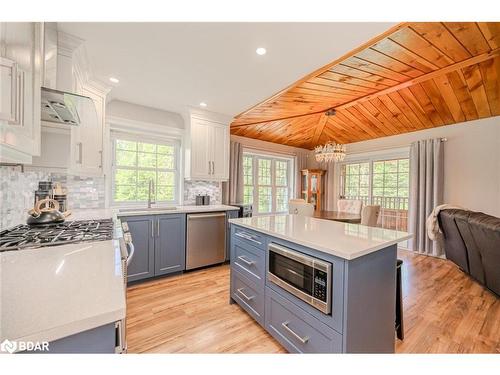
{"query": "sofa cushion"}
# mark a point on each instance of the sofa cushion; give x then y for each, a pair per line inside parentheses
(473, 254)
(454, 245)
(485, 230)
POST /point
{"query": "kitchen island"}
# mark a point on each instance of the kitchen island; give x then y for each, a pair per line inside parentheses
(317, 286)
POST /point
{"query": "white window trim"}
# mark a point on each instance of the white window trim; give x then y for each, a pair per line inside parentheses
(273, 157)
(136, 137)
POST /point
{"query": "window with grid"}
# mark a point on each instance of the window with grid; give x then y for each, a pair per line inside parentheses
(380, 182)
(247, 179)
(136, 163)
(267, 183)
(356, 181)
(391, 179)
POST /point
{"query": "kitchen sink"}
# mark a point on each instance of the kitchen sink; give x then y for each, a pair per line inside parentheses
(146, 209)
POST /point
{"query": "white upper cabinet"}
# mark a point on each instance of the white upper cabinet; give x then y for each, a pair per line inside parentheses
(208, 149)
(87, 139)
(21, 66)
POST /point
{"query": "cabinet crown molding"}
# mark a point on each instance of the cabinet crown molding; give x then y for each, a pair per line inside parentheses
(67, 43)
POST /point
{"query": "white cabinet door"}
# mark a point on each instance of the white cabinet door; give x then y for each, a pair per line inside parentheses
(21, 48)
(220, 151)
(87, 139)
(8, 89)
(209, 150)
(200, 149)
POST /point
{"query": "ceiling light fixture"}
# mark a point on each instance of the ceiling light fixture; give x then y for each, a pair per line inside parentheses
(203, 104)
(114, 80)
(331, 151)
(260, 51)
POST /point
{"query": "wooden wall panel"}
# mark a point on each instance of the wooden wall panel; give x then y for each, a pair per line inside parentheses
(414, 76)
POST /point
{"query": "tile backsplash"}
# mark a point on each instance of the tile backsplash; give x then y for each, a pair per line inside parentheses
(193, 188)
(17, 192)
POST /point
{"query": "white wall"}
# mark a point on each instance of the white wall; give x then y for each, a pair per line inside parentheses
(135, 112)
(471, 161)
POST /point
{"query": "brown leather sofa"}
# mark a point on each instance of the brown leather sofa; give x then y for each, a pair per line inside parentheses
(472, 242)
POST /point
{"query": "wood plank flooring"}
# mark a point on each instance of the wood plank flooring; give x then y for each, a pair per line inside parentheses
(445, 312)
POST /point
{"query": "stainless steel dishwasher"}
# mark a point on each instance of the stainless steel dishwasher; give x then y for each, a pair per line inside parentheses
(205, 239)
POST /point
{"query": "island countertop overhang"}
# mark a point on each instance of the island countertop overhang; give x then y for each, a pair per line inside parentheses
(344, 240)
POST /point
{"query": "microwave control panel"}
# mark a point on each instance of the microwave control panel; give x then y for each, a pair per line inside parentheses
(320, 285)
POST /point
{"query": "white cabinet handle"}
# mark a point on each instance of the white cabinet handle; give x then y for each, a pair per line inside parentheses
(245, 260)
(158, 228)
(152, 229)
(294, 334)
(100, 152)
(248, 298)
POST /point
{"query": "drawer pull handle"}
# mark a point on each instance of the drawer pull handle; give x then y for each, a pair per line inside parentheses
(302, 340)
(248, 298)
(246, 261)
(247, 237)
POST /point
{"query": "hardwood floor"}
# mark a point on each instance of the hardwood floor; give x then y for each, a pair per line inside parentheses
(445, 312)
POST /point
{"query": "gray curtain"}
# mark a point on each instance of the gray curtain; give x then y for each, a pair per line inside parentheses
(300, 164)
(232, 191)
(426, 191)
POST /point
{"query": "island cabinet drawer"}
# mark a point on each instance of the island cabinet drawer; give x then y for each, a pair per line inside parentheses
(249, 260)
(250, 237)
(248, 295)
(296, 330)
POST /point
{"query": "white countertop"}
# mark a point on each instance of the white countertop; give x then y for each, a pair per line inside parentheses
(344, 240)
(107, 213)
(53, 292)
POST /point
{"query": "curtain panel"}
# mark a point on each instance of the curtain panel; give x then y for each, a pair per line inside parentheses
(232, 191)
(426, 191)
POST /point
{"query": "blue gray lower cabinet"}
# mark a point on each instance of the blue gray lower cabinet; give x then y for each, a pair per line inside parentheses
(142, 265)
(170, 244)
(363, 299)
(229, 215)
(99, 340)
(160, 245)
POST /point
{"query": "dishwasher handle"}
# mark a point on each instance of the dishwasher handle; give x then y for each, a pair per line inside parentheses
(205, 216)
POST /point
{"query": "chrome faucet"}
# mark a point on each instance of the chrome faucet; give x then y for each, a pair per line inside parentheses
(151, 191)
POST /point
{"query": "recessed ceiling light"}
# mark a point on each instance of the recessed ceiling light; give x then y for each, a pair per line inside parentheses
(114, 80)
(261, 51)
(203, 104)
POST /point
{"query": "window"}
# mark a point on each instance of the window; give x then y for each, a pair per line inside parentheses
(266, 183)
(380, 182)
(136, 163)
(357, 181)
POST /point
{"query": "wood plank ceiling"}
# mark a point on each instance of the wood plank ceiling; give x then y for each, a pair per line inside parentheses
(414, 76)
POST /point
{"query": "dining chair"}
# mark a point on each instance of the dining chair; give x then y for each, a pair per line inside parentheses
(369, 215)
(352, 206)
(301, 208)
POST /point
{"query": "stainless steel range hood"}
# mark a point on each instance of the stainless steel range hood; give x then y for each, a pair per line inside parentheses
(59, 105)
(64, 107)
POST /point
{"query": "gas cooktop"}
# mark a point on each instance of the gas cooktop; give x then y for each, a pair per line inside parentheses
(26, 236)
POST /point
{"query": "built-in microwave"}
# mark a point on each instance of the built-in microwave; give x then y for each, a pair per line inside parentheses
(306, 277)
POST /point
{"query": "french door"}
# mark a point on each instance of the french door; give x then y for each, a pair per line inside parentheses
(267, 183)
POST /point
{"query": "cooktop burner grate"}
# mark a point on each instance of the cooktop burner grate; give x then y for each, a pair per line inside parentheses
(25, 236)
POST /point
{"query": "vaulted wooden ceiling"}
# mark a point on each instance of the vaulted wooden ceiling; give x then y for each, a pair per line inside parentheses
(412, 77)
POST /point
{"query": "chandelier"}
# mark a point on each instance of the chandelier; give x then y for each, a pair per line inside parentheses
(331, 151)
